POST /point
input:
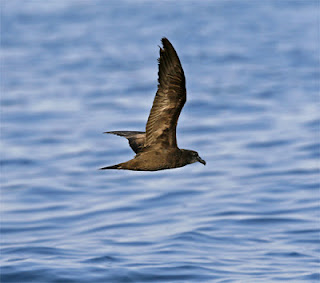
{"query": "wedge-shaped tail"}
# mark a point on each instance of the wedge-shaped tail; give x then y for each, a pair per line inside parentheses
(111, 167)
(136, 139)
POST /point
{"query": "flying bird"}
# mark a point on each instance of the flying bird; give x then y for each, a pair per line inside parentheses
(156, 148)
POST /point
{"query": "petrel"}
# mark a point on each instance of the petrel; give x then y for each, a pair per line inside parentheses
(156, 148)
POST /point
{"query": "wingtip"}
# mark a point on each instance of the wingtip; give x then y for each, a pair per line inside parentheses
(165, 42)
(164, 39)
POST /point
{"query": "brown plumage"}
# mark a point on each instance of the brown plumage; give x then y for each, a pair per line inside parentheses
(157, 148)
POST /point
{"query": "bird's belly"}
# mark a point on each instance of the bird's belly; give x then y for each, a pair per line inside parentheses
(156, 160)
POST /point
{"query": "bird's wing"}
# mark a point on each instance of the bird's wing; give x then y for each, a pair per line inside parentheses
(169, 100)
(136, 139)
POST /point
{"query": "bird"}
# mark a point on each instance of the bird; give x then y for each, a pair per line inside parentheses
(156, 148)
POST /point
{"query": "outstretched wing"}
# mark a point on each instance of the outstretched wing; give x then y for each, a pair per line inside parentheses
(169, 100)
(136, 139)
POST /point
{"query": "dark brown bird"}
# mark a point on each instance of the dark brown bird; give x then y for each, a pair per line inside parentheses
(156, 149)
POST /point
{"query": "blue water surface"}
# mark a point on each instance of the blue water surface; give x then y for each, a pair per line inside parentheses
(71, 70)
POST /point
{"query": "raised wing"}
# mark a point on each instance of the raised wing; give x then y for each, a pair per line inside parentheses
(169, 100)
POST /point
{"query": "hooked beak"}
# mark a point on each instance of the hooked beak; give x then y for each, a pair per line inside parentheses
(201, 160)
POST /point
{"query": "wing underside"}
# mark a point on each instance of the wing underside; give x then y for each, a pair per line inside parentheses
(136, 139)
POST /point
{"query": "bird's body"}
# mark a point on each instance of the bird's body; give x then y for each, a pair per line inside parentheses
(156, 149)
(156, 159)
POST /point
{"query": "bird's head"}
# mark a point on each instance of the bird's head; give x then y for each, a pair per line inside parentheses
(193, 156)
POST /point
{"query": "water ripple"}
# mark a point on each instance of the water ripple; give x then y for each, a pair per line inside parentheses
(74, 69)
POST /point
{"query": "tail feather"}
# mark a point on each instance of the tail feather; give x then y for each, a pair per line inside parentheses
(117, 166)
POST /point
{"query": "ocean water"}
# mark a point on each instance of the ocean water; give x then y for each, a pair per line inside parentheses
(71, 70)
